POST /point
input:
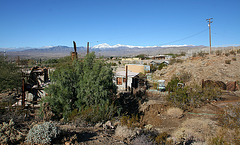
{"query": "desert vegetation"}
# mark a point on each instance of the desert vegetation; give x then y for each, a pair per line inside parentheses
(82, 105)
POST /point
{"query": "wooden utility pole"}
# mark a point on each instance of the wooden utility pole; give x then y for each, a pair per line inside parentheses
(209, 25)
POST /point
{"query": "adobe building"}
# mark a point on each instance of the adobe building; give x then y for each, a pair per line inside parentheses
(138, 68)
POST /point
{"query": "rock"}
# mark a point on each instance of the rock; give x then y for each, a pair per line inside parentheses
(148, 127)
(108, 125)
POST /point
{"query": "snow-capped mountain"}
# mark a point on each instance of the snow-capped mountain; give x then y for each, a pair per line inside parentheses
(104, 46)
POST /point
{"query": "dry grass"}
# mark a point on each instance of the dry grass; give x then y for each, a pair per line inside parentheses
(174, 112)
(196, 129)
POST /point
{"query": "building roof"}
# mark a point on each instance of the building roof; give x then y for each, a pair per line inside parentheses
(123, 73)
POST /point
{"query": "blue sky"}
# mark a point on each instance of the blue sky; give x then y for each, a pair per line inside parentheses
(38, 23)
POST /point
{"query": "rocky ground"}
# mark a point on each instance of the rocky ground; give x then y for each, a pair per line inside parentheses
(210, 67)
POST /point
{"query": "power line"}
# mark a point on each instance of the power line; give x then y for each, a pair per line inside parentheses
(185, 37)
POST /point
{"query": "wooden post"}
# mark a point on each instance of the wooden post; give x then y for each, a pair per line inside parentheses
(74, 54)
(126, 77)
(87, 47)
(202, 83)
(235, 86)
(23, 92)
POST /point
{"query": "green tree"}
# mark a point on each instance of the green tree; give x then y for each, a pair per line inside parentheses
(84, 85)
(10, 75)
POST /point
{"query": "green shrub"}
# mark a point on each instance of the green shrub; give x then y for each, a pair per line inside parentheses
(84, 85)
(172, 85)
(42, 134)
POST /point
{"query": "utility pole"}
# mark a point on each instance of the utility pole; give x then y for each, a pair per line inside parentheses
(209, 25)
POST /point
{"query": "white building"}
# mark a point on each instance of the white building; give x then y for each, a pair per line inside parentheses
(120, 80)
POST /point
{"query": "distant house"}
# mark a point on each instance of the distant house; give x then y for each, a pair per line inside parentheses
(158, 62)
(138, 68)
(160, 57)
(131, 59)
(120, 80)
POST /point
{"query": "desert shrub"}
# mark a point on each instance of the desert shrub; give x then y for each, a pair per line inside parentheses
(228, 61)
(231, 117)
(194, 55)
(191, 97)
(217, 140)
(162, 138)
(83, 85)
(183, 54)
(227, 54)
(160, 66)
(155, 85)
(232, 52)
(8, 133)
(238, 51)
(130, 122)
(218, 52)
(172, 85)
(234, 59)
(202, 54)
(10, 76)
(42, 134)
(142, 140)
(225, 136)
(185, 76)
(153, 68)
(174, 60)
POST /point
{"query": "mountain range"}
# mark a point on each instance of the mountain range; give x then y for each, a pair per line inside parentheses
(101, 49)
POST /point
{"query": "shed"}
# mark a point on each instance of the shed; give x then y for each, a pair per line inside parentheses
(120, 80)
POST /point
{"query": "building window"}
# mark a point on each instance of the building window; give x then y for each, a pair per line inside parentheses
(124, 80)
(119, 81)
